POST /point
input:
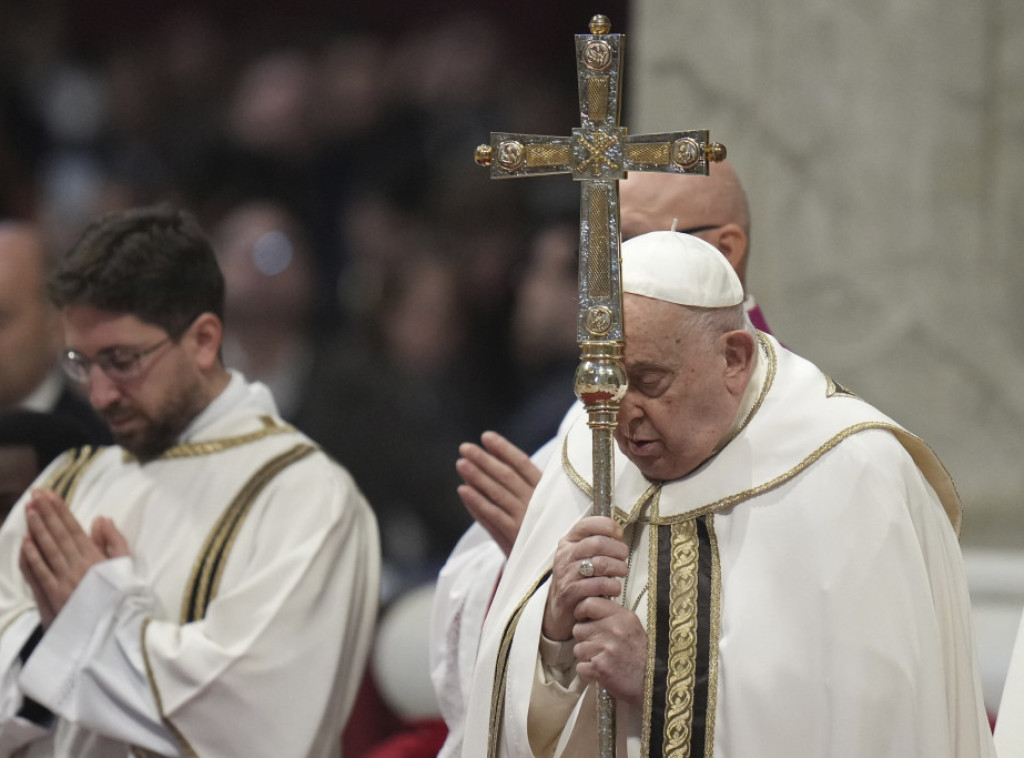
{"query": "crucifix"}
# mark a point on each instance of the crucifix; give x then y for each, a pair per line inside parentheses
(598, 154)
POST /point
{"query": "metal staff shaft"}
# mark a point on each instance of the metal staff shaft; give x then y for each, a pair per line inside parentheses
(598, 154)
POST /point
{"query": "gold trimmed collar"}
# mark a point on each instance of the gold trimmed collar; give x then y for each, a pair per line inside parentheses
(207, 447)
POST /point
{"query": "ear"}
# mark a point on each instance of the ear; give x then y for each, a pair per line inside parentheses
(739, 360)
(205, 335)
(732, 242)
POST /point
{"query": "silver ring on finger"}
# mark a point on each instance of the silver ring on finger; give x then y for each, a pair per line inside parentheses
(586, 567)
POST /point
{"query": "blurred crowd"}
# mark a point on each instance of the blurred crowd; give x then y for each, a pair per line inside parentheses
(394, 298)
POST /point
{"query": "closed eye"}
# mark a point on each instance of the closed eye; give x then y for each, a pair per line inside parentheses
(650, 383)
(119, 360)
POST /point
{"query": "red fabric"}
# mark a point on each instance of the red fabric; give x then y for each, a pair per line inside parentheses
(374, 731)
(370, 723)
(757, 319)
(424, 740)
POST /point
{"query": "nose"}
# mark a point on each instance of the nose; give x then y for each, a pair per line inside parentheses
(630, 411)
(102, 390)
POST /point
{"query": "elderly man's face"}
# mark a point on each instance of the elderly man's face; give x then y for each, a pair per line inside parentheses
(681, 401)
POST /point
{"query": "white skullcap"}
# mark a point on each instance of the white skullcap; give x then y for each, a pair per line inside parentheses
(679, 268)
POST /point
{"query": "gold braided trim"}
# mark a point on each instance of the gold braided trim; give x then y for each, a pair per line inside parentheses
(541, 155)
(714, 634)
(501, 669)
(648, 153)
(833, 388)
(739, 497)
(196, 449)
(769, 379)
(64, 480)
(209, 568)
(189, 751)
(570, 471)
(682, 639)
(623, 517)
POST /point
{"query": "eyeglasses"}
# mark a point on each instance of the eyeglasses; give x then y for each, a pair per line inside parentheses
(120, 364)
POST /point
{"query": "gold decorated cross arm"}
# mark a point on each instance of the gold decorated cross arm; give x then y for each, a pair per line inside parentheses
(598, 154)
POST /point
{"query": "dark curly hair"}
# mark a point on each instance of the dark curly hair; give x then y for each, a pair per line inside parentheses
(154, 263)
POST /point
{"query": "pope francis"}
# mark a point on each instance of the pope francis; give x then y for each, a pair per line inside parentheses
(781, 578)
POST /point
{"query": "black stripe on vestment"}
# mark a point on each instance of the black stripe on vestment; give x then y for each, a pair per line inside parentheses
(704, 603)
(661, 639)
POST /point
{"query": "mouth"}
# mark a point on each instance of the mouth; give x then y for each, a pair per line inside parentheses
(639, 447)
(119, 422)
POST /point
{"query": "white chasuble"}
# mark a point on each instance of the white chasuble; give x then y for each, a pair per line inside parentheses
(239, 625)
(802, 591)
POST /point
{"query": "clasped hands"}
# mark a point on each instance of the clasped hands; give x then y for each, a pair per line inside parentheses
(611, 644)
(610, 641)
(56, 551)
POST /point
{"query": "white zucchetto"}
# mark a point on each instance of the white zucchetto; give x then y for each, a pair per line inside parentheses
(679, 268)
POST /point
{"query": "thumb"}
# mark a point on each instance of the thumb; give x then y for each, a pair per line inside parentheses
(108, 539)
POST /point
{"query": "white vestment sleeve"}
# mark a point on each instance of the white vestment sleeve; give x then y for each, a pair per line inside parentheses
(89, 665)
(465, 587)
(16, 731)
(556, 690)
(270, 670)
(967, 721)
(1009, 734)
(273, 666)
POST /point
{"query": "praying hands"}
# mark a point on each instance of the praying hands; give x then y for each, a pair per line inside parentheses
(56, 552)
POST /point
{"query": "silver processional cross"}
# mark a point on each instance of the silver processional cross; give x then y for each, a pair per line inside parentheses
(599, 153)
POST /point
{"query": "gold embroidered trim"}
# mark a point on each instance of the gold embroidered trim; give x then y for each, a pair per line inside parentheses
(769, 380)
(833, 389)
(713, 636)
(209, 567)
(682, 639)
(574, 476)
(739, 497)
(189, 752)
(196, 449)
(64, 480)
(621, 516)
(501, 668)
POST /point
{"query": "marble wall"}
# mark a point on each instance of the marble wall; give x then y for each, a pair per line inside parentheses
(882, 147)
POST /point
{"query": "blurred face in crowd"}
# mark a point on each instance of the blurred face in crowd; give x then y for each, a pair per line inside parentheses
(29, 327)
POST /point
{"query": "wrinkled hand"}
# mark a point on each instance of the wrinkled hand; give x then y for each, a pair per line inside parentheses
(598, 538)
(499, 482)
(56, 552)
(611, 648)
